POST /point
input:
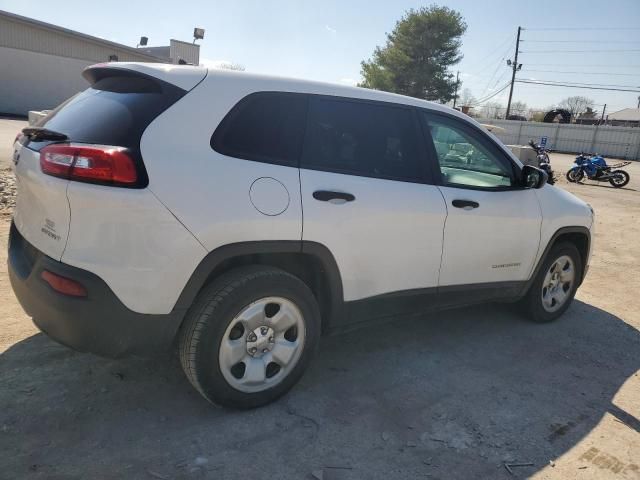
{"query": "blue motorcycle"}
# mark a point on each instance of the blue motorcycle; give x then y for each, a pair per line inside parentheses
(595, 168)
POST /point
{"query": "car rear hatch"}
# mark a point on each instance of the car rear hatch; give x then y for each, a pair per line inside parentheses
(109, 116)
(42, 211)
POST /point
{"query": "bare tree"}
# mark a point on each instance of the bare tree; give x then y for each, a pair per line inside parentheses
(467, 98)
(576, 105)
(491, 110)
(231, 66)
(589, 113)
(518, 108)
(224, 65)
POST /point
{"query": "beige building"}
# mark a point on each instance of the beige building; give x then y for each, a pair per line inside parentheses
(628, 117)
(41, 64)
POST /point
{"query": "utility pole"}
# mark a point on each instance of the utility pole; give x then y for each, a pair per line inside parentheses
(455, 96)
(603, 110)
(515, 67)
(638, 101)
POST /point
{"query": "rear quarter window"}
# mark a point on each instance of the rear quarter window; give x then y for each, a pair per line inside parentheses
(264, 127)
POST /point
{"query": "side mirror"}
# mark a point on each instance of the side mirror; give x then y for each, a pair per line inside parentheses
(533, 177)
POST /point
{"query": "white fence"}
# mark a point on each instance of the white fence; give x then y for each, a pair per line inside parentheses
(615, 142)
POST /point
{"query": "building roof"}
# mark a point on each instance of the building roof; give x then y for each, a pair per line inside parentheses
(626, 115)
(73, 33)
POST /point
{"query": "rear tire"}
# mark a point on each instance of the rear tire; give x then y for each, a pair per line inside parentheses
(555, 284)
(623, 178)
(249, 336)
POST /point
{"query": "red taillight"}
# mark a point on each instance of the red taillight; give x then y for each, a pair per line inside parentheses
(89, 163)
(63, 284)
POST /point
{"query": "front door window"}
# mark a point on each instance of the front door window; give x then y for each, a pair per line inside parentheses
(464, 159)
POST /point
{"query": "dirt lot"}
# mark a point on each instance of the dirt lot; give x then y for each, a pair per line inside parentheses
(452, 395)
(9, 128)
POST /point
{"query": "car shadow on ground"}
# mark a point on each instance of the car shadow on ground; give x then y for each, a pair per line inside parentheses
(606, 185)
(452, 395)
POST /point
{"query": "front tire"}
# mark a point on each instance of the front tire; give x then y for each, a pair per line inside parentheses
(575, 176)
(555, 284)
(249, 336)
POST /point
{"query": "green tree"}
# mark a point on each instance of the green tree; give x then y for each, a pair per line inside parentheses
(418, 54)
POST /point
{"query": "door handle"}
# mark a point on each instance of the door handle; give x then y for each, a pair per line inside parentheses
(333, 197)
(466, 204)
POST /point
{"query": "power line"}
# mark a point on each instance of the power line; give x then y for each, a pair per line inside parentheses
(491, 54)
(583, 73)
(579, 51)
(577, 86)
(503, 88)
(580, 65)
(580, 28)
(579, 41)
(582, 83)
(488, 65)
(484, 100)
(506, 52)
(504, 74)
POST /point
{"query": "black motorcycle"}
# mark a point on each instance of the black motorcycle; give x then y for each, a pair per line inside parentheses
(544, 162)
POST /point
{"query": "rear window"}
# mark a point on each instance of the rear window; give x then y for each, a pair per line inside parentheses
(264, 127)
(115, 110)
(362, 138)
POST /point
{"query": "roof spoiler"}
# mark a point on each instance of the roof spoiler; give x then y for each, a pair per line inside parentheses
(182, 76)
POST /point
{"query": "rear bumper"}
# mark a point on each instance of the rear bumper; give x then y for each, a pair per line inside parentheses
(99, 323)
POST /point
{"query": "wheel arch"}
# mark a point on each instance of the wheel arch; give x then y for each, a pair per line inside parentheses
(312, 262)
(577, 235)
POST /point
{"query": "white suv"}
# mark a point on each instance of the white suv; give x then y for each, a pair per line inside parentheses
(241, 216)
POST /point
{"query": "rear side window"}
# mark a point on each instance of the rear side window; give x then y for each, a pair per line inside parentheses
(115, 110)
(362, 138)
(264, 127)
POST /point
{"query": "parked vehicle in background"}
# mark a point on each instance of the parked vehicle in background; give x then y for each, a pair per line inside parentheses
(544, 162)
(595, 168)
(242, 215)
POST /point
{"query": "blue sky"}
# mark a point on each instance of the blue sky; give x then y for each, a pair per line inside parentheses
(326, 40)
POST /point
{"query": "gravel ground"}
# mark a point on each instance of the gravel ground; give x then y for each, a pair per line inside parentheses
(9, 128)
(451, 395)
(7, 191)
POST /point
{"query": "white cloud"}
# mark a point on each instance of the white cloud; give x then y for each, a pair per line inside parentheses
(331, 30)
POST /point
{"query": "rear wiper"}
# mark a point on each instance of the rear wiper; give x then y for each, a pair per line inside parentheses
(39, 133)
